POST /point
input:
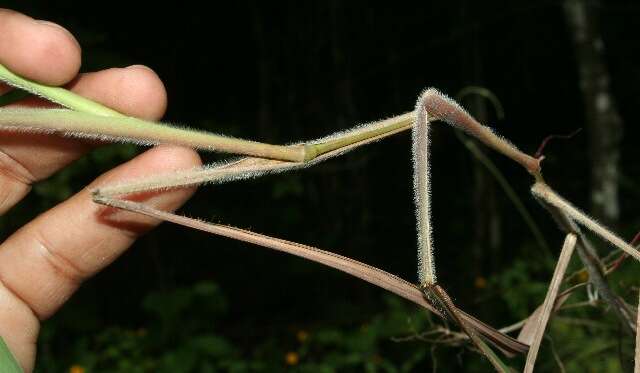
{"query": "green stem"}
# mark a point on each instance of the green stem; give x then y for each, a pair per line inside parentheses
(365, 132)
(130, 129)
(57, 95)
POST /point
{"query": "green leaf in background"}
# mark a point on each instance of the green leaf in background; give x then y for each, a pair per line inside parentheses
(8, 363)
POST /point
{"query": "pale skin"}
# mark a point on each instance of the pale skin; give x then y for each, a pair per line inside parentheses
(43, 263)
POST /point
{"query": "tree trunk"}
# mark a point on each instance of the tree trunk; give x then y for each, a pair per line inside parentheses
(603, 122)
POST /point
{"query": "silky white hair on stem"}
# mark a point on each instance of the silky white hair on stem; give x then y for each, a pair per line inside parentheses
(433, 104)
(216, 173)
(544, 192)
(250, 167)
(129, 129)
(421, 190)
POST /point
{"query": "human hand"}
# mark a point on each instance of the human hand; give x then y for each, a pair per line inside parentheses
(43, 263)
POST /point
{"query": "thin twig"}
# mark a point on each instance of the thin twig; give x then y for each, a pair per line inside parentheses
(556, 357)
(546, 140)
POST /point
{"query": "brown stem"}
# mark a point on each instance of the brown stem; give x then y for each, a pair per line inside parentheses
(594, 266)
(449, 111)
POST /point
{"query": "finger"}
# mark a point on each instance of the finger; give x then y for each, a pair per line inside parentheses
(136, 91)
(19, 328)
(45, 261)
(39, 50)
(26, 158)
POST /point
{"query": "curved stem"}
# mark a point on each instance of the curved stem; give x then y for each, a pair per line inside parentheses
(434, 103)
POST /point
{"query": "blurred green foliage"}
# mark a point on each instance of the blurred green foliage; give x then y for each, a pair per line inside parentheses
(181, 333)
(183, 330)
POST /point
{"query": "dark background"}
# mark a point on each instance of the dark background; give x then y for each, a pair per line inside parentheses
(283, 72)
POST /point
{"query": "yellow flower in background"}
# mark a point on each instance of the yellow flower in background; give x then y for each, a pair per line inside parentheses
(76, 369)
(480, 282)
(377, 359)
(291, 358)
(302, 336)
(141, 332)
(583, 276)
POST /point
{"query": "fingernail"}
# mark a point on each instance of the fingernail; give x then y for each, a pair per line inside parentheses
(57, 27)
(140, 67)
(50, 24)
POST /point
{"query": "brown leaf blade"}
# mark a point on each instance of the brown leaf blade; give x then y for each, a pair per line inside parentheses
(373, 275)
(547, 306)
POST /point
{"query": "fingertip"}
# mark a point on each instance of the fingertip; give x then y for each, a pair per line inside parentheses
(136, 90)
(39, 50)
(169, 157)
(51, 26)
(57, 45)
(150, 96)
(162, 159)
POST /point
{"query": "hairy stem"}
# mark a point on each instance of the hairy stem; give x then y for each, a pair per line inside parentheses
(358, 134)
(543, 191)
(434, 103)
(129, 129)
(449, 111)
(422, 193)
(93, 124)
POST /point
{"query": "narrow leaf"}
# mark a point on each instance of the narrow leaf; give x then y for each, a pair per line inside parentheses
(353, 267)
(547, 306)
(528, 331)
